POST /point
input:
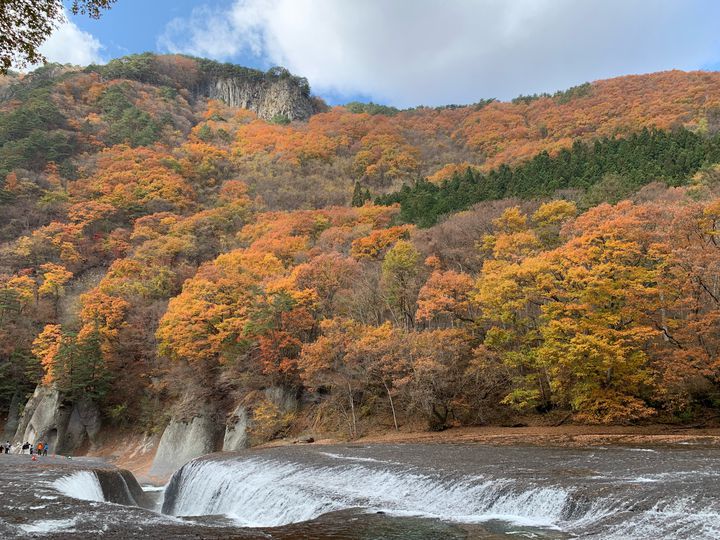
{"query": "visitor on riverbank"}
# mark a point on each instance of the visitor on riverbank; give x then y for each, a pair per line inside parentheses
(7, 447)
(45, 449)
(25, 447)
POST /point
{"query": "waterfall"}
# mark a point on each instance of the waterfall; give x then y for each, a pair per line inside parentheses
(80, 485)
(262, 492)
(259, 492)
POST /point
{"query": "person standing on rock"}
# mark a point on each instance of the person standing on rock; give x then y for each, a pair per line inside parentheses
(45, 449)
(7, 447)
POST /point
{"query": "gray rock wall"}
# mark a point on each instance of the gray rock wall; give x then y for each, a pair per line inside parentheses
(182, 441)
(13, 417)
(283, 398)
(64, 426)
(267, 99)
(236, 431)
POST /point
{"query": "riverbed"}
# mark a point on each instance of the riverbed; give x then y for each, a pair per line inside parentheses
(402, 491)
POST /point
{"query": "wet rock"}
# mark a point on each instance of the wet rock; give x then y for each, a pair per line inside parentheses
(307, 439)
(115, 488)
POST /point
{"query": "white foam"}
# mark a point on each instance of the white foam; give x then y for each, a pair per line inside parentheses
(357, 458)
(80, 485)
(676, 518)
(48, 526)
(259, 492)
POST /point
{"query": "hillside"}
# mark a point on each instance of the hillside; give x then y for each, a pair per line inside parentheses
(189, 245)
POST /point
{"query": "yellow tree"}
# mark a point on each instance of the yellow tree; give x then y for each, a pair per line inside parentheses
(400, 272)
(46, 348)
(54, 278)
(597, 326)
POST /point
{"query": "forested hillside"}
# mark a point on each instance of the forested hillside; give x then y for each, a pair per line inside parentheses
(162, 251)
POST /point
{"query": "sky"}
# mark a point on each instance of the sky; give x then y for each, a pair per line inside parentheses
(411, 52)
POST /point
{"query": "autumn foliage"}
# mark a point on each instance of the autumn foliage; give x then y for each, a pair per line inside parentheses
(165, 250)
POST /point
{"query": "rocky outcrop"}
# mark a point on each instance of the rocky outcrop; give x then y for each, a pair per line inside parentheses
(182, 441)
(284, 399)
(44, 417)
(121, 487)
(275, 94)
(269, 98)
(64, 426)
(13, 417)
(236, 431)
(84, 423)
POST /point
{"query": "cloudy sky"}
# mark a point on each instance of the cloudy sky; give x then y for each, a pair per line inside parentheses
(412, 52)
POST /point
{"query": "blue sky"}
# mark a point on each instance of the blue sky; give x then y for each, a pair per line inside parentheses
(412, 52)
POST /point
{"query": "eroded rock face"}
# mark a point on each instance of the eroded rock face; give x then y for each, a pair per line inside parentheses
(65, 427)
(283, 398)
(268, 99)
(84, 422)
(236, 430)
(13, 418)
(182, 441)
(44, 418)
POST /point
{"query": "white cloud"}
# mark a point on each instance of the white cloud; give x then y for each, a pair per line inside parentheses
(70, 45)
(408, 52)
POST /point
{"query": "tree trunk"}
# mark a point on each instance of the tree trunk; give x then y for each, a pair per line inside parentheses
(392, 405)
(352, 410)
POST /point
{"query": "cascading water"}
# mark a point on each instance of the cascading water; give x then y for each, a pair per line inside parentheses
(588, 494)
(83, 485)
(258, 492)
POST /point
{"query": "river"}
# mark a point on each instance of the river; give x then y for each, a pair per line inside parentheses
(409, 491)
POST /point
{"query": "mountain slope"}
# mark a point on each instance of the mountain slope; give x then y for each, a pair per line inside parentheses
(168, 253)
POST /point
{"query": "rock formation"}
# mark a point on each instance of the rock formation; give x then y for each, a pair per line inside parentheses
(182, 441)
(279, 98)
(236, 431)
(275, 95)
(65, 427)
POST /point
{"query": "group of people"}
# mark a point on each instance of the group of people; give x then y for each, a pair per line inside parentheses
(39, 449)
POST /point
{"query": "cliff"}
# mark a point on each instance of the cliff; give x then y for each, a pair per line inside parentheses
(270, 99)
(273, 95)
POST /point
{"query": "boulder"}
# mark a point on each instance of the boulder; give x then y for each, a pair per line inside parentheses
(182, 441)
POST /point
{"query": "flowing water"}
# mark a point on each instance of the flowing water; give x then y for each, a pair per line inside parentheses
(439, 491)
(595, 493)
